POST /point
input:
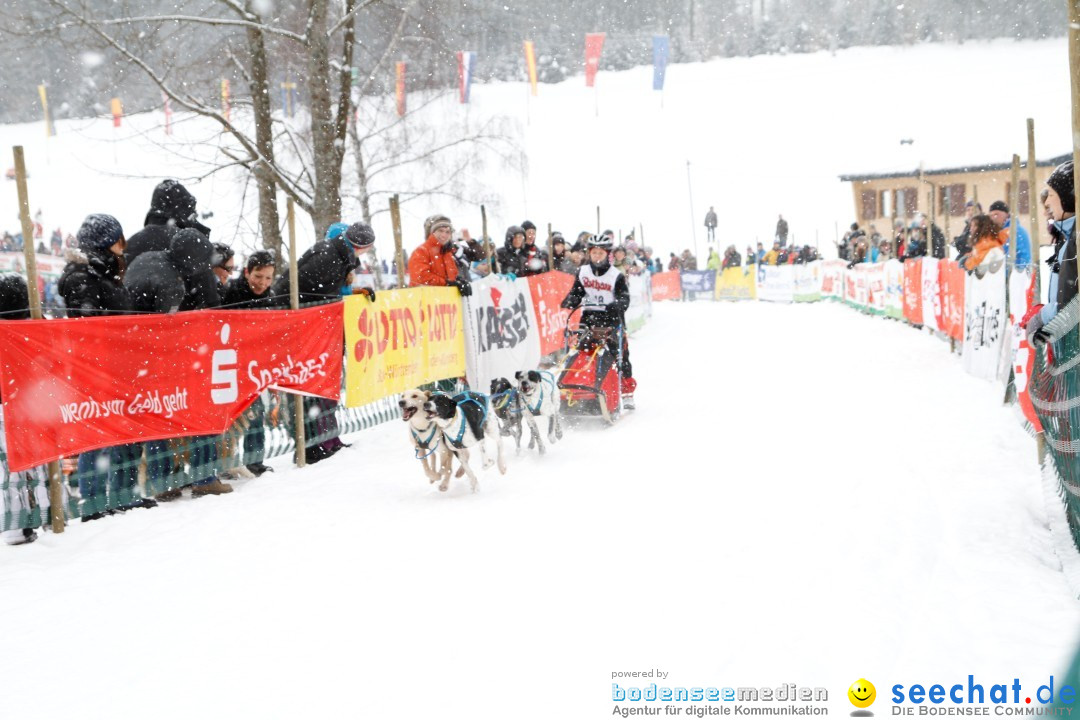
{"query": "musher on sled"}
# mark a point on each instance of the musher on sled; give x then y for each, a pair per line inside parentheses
(603, 295)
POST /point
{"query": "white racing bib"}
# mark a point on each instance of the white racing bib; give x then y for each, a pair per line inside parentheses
(599, 290)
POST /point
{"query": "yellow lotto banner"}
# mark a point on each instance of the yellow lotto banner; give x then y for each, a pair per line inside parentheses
(736, 283)
(404, 339)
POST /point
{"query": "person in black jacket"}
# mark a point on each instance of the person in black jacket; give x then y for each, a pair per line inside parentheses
(251, 291)
(603, 295)
(91, 286)
(176, 279)
(325, 268)
(92, 282)
(534, 260)
(167, 281)
(511, 255)
(172, 208)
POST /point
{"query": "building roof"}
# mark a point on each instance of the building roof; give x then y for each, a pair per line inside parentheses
(969, 168)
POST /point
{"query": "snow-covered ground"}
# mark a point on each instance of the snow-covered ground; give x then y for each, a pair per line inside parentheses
(804, 495)
(763, 136)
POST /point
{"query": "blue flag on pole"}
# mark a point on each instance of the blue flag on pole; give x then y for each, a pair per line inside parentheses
(660, 51)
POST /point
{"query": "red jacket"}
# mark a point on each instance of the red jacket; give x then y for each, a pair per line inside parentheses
(432, 264)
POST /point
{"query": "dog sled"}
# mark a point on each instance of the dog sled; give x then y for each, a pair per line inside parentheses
(589, 379)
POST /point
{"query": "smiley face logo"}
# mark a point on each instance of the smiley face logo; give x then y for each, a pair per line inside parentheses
(862, 693)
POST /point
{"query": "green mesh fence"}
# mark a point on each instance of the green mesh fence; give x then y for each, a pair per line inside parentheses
(1055, 393)
(115, 478)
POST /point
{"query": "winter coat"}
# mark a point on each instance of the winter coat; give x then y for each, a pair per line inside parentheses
(915, 248)
(1062, 281)
(771, 257)
(674, 264)
(531, 255)
(710, 219)
(172, 208)
(177, 279)
(937, 242)
(982, 246)
(91, 285)
(322, 272)
(432, 264)
(511, 259)
(781, 230)
(565, 263)
(238, 295)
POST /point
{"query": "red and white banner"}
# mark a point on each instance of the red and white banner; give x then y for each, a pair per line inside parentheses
(666, 286)
(832, 278)
(913, 303)
(501, 334)
(75, 385)
(594, 45)
(548, 291)
(1021, 298)
(952, 299)
(931, 298)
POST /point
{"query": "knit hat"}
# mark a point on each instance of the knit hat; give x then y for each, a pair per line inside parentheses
(14, 301)
(528, 225)
(1061, 182)
(512, 231)
(557, 237)
(999, 205)
(360, 235)
(335, 230)
(221, 255)
(99, 232)
(435, 222)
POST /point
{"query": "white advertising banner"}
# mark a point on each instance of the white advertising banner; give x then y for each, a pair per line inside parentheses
(808, 282)
(776, 283)
(501, 335)
(931, 293)
(894, 288)
(640, 302)
(985, 324)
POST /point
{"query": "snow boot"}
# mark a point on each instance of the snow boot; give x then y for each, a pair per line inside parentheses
(168, 495)
(258, 469)
(214, 487)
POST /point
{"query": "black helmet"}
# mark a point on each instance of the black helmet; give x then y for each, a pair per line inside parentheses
(514, 230)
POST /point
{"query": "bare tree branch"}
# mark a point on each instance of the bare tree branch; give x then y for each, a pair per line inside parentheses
(218, 22)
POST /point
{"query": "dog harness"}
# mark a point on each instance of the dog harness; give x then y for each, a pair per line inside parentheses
(422, 443)
(545, 378)
(468, 397)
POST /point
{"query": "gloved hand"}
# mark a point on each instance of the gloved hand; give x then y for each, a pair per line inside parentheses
(1063, 322)
(464, 286)
(366, 292)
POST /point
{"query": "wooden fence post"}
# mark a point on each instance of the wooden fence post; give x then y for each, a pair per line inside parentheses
(294, 303)
(56, 490)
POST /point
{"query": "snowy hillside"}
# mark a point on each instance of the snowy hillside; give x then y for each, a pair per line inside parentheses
(763, 135)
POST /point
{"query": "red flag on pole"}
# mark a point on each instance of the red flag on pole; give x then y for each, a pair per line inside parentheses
(117, 111)
(168, 113)
(594, 45)
(400, 88)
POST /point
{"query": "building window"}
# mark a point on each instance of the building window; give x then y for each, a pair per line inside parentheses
(957, 199)
(869, 205)
(886, 203)
(908, 199)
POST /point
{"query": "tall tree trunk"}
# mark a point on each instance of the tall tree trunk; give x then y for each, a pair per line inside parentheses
(269, 221)
(361, 175)
(326, 150)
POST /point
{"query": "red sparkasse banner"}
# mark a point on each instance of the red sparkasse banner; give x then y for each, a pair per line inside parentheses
(594, 45)
(913, 292)
(75, 385)
(666, 286)
(548, 291)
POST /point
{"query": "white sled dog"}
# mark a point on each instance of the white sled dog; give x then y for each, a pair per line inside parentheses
(426, 436)
(465, 422)
(540, 402)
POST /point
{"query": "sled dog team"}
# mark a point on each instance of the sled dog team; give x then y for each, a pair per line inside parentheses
(443, 427)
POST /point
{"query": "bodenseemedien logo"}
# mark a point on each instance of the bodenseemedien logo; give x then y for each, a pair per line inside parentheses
(862, 695)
